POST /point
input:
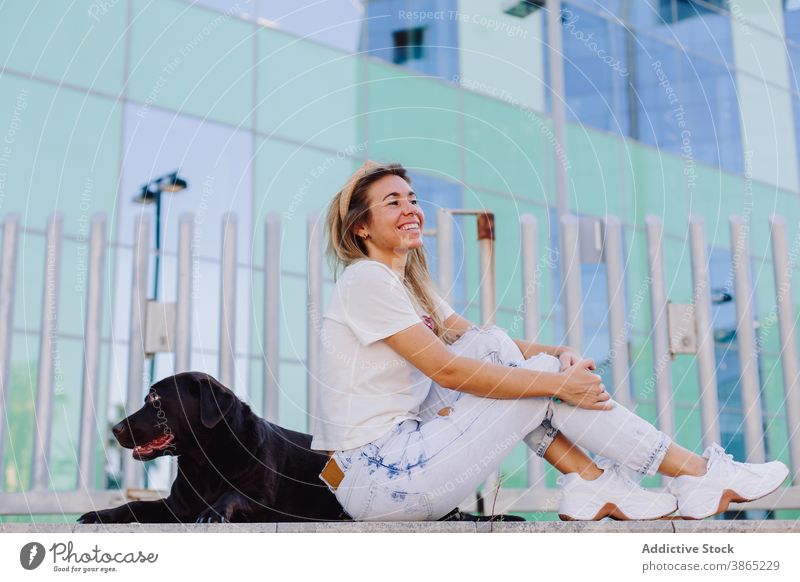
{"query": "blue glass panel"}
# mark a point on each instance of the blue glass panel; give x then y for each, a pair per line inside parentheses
(336, 23)
(704, 32)
(794, 66)
(656, 74)
(707, 92)
(595, 70)
(791, 19)
(650, 16)
(436, 54)
(796, 112)
(732, 431)
(688, 108)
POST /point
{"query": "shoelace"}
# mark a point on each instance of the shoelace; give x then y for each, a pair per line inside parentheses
(606, 464)
(629, 482)
(609, 465)
(718, 455)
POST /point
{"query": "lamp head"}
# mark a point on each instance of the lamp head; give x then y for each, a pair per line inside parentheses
(172, 183)
(147, 195)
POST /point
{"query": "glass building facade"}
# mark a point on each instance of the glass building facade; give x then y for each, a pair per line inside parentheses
(673, 107)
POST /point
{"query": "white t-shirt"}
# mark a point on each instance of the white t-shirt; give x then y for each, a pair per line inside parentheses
(365, 387)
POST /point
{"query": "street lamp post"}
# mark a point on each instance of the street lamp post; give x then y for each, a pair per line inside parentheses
(151, 194)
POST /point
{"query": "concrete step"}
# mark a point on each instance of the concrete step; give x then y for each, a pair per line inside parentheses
(604, 526)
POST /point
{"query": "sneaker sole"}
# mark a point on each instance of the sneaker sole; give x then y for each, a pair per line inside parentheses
(730, 496)
(611, 510)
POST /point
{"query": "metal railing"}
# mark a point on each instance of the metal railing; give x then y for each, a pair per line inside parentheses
(676, 329)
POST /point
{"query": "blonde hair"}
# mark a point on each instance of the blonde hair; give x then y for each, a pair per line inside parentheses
(349, 208)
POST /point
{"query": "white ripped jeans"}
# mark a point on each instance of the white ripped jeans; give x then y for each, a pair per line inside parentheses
(421, 469)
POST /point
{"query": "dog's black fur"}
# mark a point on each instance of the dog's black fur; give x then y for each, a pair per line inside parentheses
(232, 465)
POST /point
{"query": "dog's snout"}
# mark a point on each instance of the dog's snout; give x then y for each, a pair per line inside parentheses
(118, 429)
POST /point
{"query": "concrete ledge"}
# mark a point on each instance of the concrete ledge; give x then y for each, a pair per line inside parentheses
(606, 526)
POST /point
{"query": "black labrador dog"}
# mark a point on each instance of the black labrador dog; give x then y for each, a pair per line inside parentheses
(233, 466)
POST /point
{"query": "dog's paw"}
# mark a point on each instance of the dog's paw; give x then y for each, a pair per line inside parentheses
(104, 516)
(211, 515)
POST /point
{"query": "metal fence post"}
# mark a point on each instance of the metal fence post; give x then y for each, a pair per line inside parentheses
(487, 279)
(227, 336)
(704, 328)
(745, 338)
(444, 253)
(788, 339)
(531, 280)
(48, 355)
(8, 276)
(132, 471)
(314, 299)
(183, 311)
(618, 334)
(272, 315)
(93, 420)
(571, 278)
(658, 310)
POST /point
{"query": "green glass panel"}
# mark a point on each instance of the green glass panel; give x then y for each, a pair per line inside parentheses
(67, 384)
(546, 333)
(294, 182)
(309, 93)
(43, 518)
(654, 184)
(256, 382)
(643, 383)
(292, 401)
(677, 270)
(637, 277)
(191, 60)
(80, 43)
(715, 197)
(63, 153)
(506, 147)
(760, 201)
(688, 428)
(767, 332)
(413, 120)
(684, 379)
(772, 384)
(594, 172)
(294, 313)
(21, 396)
(647, 412)
(31, 259)
(514, 468)
(778, 441)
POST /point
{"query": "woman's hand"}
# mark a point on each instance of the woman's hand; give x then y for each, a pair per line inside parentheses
(570, 357)
(583, 389)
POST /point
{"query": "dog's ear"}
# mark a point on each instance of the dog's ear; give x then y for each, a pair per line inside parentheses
(215, 402)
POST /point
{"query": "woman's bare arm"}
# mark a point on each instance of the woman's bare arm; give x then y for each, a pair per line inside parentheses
(420, 346)
(460, 324)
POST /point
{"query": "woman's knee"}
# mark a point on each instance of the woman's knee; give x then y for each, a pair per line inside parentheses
(492, 344)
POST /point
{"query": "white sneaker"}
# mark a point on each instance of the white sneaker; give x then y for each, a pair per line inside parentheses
(614, 494)
(725, 481)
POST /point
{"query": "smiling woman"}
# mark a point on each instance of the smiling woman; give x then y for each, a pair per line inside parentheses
(417, 406)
